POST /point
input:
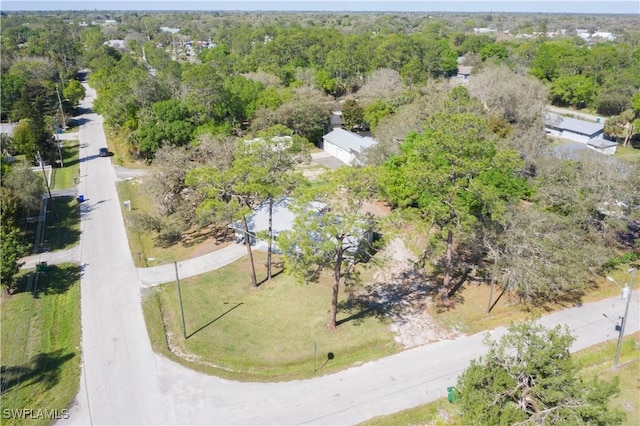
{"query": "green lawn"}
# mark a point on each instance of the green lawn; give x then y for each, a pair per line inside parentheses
(628, 153)
(41, 354)
(63, 177)
(275, 332)
(597, 360)
(469, 312)
(62, 232)
(144, 247)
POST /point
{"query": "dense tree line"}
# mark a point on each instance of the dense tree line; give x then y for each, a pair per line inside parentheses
(490, 169)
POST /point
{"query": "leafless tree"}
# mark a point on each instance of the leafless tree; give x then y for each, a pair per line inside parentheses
(383, 83)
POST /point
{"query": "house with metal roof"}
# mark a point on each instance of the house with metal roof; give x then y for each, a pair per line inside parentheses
(283, 219)
(346, 146)
(572, 128)
(603, 146)
(586, 132)
(7, 128)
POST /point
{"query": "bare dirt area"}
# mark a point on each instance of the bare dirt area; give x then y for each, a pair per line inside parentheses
(207, 240)
(207, 246)
(404, 292)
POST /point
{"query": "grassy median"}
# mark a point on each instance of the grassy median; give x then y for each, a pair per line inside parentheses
(41, 354)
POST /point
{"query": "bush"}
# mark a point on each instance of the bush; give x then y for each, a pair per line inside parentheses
(614, 262)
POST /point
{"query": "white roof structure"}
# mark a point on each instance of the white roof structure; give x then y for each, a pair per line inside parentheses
(7, 128)
(349, 141)
(283, 217)
(170, 30)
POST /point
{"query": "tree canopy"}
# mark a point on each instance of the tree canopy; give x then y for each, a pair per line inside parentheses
(530, 377)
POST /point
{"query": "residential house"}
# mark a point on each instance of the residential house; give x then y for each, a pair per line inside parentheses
(572, 128)
(170, 30)
(335, 120)
(346, 146)
(282, 220)
(586, 132)
(603, 146)
(7, 128)
(464, 72)
(116, 44)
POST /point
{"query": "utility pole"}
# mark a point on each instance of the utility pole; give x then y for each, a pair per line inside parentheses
(46, 182)
(59, 148)
(184, 326)
(64, 124)
(632, 271)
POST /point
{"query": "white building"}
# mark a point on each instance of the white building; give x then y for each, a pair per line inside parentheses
(346, 146)
(283, 219)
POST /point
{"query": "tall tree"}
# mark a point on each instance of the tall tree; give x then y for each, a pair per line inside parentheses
(12, 249)
(530, 377)
(204, 93)
(330, 229)
(451, 175)
(352, 114)
(232, 194)
(278, 151)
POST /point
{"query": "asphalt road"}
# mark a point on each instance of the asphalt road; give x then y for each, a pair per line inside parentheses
(577, 114)
(120, 383)
(125, 382)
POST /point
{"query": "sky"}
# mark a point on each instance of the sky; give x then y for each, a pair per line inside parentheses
(526, 6)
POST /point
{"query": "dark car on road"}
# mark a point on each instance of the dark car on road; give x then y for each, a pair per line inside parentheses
(104, 152)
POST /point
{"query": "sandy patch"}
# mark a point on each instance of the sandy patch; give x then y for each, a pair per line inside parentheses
(404, 290)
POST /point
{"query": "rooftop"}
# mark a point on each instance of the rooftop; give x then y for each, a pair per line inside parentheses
(349, 141)
(573, 124)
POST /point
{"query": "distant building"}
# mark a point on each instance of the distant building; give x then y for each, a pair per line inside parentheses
(346, 146)
(335, 120)
(484, 31)
(464, 72)
(116, 44)
(7, 128)
(170, 30)
(603, 35)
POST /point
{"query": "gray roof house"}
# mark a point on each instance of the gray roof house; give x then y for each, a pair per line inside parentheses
(603, 146)
(346, 146)
(587, 132)
(572, 128)
(283, 218)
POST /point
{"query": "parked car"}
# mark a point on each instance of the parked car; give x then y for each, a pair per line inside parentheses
(104, 152)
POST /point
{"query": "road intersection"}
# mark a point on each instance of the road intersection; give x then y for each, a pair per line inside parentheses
(124, 382)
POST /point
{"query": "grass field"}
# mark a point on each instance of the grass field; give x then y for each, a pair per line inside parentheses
(275, 332)
(143, 245)
(596, 360)
(469, 314)
(63, 177)
(40, 354)
(628, 153)
(62, 232)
